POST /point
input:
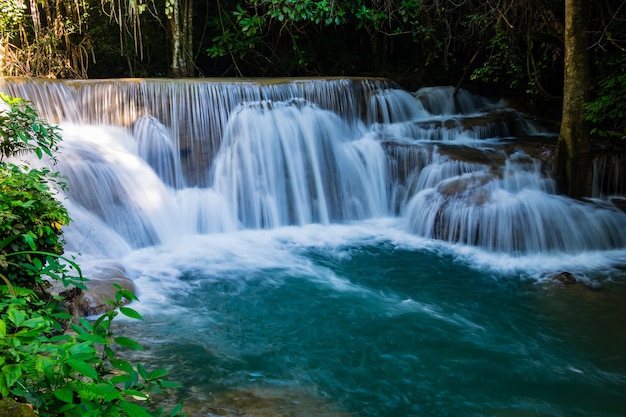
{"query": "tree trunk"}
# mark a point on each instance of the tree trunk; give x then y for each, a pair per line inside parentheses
(181, 27)
(574, 145)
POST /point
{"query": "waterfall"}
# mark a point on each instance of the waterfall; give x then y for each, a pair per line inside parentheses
(149, 161)
(290, 162)
(447, 101)
(608, 174)
(194, 111)
(517, 212)
(157, 147)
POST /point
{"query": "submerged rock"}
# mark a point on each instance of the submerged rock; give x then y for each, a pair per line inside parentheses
(262, 402)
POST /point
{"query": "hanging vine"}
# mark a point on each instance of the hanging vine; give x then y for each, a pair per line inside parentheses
(41, 38)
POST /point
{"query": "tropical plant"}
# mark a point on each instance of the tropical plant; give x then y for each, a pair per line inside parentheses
(79, 374)
(31, 217)
(60, 374)
(606, 111)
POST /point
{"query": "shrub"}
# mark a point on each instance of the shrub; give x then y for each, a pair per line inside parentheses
(606, 111)
(77, 374)
(30, 215)
(58, 373)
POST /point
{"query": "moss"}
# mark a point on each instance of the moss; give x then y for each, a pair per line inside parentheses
(11, 408)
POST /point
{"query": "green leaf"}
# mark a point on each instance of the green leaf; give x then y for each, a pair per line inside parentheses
(93, 338)
(142, 371)
(129, 312)
(133, 410)
(4, 388)
(65, 394)
(77, 328)
(30, 241)
(82, 350)
(34, 322)
(157, 373)
(121, 379)
(62, 316)
(83, 368)
(122, 365)
(16, 316)
(105, 391)
(170, 384)
(141, 396)
(86, 324)
(109, 353)
(60, 338)
(3, 328)
(128, 343)
(176, 410)
(11, 374)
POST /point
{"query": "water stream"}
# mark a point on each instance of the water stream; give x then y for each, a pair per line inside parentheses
(344, 247)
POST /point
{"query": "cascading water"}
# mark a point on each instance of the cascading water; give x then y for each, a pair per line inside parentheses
(343, 247)
(292, 163)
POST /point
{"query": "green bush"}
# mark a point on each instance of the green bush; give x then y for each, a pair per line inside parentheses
(30, 216)
(606, 111)
(30, 223)
(78, 374)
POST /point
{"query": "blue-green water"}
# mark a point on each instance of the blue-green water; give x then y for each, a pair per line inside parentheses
(329, 320)
(344, 248)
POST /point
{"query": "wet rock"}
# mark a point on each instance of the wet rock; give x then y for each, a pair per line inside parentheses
(102, 275)
(470, 186)
(11, 408)
(564, 278)
(491, 157)
(496, 124)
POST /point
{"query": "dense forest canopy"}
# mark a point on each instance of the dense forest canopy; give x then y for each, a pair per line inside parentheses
(515, 46)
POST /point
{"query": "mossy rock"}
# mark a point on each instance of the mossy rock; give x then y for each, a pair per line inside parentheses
(11, 408)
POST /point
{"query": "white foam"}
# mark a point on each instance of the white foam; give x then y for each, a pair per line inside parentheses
(244, 255)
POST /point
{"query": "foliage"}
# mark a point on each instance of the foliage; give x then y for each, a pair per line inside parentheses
(606, 111)
(59, 374)
(44, 38)
(291, 36)
(21, 131)
(78, 374)
(31, 220)
(31, 217)
(11, 14)
(519, 44)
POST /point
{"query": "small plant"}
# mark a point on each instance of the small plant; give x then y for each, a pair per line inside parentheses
(22, 131)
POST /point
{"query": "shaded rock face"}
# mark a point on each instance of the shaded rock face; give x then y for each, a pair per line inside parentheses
(102, 275)
(11, 408)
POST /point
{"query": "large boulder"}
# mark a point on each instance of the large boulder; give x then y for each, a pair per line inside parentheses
(102, 275)
(11, 408)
